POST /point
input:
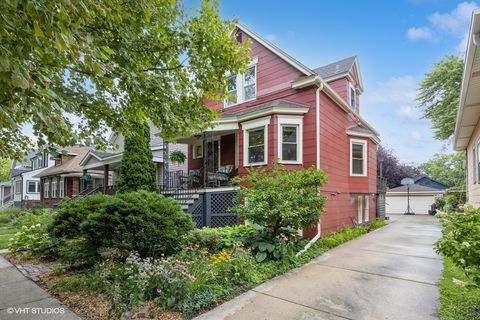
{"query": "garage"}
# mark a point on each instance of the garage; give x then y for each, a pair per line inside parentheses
(421, 199)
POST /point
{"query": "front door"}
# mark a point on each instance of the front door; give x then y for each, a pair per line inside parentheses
(213, 156)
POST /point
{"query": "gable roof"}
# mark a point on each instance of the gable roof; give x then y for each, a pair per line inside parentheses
(424, 176)
(340, 68)
(279, 52)
(414, 188)
(70, 163)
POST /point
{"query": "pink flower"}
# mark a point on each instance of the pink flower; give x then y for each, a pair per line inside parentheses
(103, 275)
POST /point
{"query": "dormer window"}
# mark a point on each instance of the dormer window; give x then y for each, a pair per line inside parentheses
(242, 87)
(353, 97)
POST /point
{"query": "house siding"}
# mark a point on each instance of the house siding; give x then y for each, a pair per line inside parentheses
(473, 185)
(342, 189)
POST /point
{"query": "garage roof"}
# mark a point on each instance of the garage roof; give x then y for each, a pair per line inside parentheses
(413, 188)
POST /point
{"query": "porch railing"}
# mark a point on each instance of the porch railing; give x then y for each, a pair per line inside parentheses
(179, 185)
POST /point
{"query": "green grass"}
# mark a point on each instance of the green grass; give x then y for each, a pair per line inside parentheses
(457, 302)
(5, 234)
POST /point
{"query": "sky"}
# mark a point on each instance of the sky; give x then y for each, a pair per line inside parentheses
(396, 42)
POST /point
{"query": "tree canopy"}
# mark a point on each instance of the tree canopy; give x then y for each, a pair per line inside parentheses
(438, 95)
(107, 64)
(5, 165)
(446, 168)
(394, 170)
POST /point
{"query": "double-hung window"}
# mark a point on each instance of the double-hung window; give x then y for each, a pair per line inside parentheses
(358, 157)
(255, 136)
(242, 87)
(33, 187)
(18, 186)
(54, 188)
(61, 191)
(46, 191)
(290, 139)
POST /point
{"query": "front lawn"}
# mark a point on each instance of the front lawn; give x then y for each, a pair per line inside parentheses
(9, 225)
(6, 233)
(458, 301)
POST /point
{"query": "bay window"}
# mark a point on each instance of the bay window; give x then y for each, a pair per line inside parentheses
(46, 191)
(54, 188)
(358, 157)
(255, 146)
(61, 190)
(290, 139)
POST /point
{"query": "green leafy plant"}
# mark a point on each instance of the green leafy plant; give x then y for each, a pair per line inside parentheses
(141, 221)
(277, 198)
(460, 242)
(137, 170)
(216, 239)
(177, 157)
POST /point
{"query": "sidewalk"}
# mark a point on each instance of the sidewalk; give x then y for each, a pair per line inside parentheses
(22, 299)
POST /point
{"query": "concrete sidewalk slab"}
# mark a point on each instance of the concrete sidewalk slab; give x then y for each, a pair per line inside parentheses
(22, 299)
(390, 274)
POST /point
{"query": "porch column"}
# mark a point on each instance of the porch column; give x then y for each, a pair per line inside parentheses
(105, 179)
(83, 184)
(205, 156)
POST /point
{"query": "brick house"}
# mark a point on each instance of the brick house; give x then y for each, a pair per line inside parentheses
(65, 177)
(281, 110)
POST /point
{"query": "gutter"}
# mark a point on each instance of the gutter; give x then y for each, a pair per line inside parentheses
(317, 138)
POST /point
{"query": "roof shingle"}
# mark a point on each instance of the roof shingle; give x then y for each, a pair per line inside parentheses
(335, 68)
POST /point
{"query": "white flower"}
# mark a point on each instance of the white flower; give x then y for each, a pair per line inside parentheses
(462, 261)
(459, 283)
(466, 244)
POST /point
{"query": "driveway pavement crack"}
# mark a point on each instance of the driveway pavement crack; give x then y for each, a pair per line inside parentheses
(302, 305)
(377, 274)
(401, 254)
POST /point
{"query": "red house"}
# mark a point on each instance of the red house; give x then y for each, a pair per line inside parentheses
(281, 110)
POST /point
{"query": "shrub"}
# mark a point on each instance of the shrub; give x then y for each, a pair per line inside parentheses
(451, 201)
(142, 221)
(280, 198)
(216, 239)
(73, 212)
(137, 170)
(33, 238)
(460, 242)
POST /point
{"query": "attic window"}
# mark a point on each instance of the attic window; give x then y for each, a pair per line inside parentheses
(352, 97)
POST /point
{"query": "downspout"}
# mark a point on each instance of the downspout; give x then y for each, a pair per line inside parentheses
(317, 162)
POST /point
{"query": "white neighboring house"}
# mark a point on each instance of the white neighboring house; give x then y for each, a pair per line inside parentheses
(26, 188)
(421, 199)
(109, 162)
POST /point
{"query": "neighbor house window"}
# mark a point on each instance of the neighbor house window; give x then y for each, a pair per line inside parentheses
(197, 151)
(352, 97)
(46, 187)
(61, 191)
(255, 141)
(18, 186)
(54, 188)
(33, 187)
(358, 157)
(242, 87)
(290, 139)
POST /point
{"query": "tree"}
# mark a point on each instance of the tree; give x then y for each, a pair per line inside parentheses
(281, 198)
(393, 170)
(137, 170)
(446, 168)
(109, 64)
(5, 166)
(438, 95)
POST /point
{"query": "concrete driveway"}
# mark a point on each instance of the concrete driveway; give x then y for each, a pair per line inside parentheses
(390, 274)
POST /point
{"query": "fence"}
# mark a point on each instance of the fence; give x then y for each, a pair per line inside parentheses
(214, 209)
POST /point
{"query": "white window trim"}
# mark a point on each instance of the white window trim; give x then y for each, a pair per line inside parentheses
(194, 156)
(240, 86)
(250, 125)
(54, 192)
(16, 184)
(365, 157)
(37, 186)
(350, 88)
(46, 189)
(288, 120)
(61, 191)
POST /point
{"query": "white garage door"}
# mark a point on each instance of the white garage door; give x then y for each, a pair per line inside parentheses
(418, 204)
